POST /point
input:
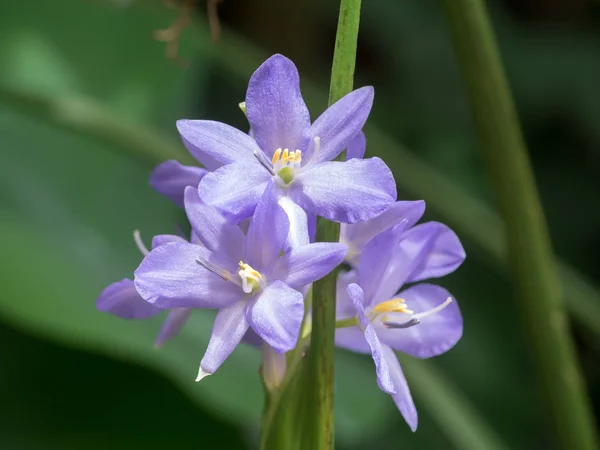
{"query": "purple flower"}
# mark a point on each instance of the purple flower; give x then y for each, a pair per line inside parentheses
(286, 150)
(422, 320)
(170, 179)
(244, 276)
(123, 300)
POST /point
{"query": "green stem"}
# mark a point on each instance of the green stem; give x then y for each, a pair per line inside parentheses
(319, 420)
(344, 55)
(530, 252)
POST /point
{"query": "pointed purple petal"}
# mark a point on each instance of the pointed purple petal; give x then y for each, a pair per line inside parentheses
(383, 373)
(374, 265)
(344, 307)
(445, 253)
(352, 338)
(339, 124)
(170, 277)
(346, 192)
(274, 105)
(212, 229)
(161, 239)
(122, 299)
(171, 178)
(308, 263)
(298, 219)
(228, 330)
(173, 323)
(357, 235)
(403, 399)
(356, 147)
(435, 334)
(217, 141)
(276, 315)
(267, 232)
(235, 189)
(411, 258)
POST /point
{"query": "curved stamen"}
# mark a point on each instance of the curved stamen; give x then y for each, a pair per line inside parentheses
(140, 244)
(250, 278)
(262, 159)
(416, 318)
(407, 324)
(437, 309)
(213, 268)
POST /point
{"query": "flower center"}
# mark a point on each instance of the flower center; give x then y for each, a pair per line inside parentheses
(251, 279)
(284, 162)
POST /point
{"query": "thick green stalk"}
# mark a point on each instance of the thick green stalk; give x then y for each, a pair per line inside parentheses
(530, 252)
(319, 418)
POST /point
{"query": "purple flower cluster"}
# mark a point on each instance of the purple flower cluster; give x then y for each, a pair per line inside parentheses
(251, 254)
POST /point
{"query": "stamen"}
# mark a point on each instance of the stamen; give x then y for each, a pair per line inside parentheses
(140, 244)
(416, 318)
(276, 156)
(411, 323)
(393, 305)
(285, 156)
(317, 141)
(213, 268)
(250, 277)
(262, 159)
(433, 310)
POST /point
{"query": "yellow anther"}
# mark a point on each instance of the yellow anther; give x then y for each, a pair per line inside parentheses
(285, 155)
(393, 305)
(276, 156)
(247, 268)
(251, 278)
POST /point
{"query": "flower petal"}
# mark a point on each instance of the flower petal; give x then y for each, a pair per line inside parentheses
(161, 239)
(217, 141)
(122, 299)
(274, 105)
(298, 219)
(435, 334)
(356, 147)
(383, 373)
(357, 235)
(339, 124)
(170, 277)
(344, 307)
(175, 320)
(308, 263)
(235, 189)
(352, 338)
(212, 229)
(346, 192)
(228, 330)
(267, 232)
(402, 398)
(374, 265)
(171, 178)
(445, 253)
(276, 315)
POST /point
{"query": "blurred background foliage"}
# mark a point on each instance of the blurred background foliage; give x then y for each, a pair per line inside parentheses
(88, 102)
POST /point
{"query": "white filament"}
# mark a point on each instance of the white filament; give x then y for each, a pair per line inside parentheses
(138, 241)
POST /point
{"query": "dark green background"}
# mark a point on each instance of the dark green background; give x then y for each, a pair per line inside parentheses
(88, 103)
